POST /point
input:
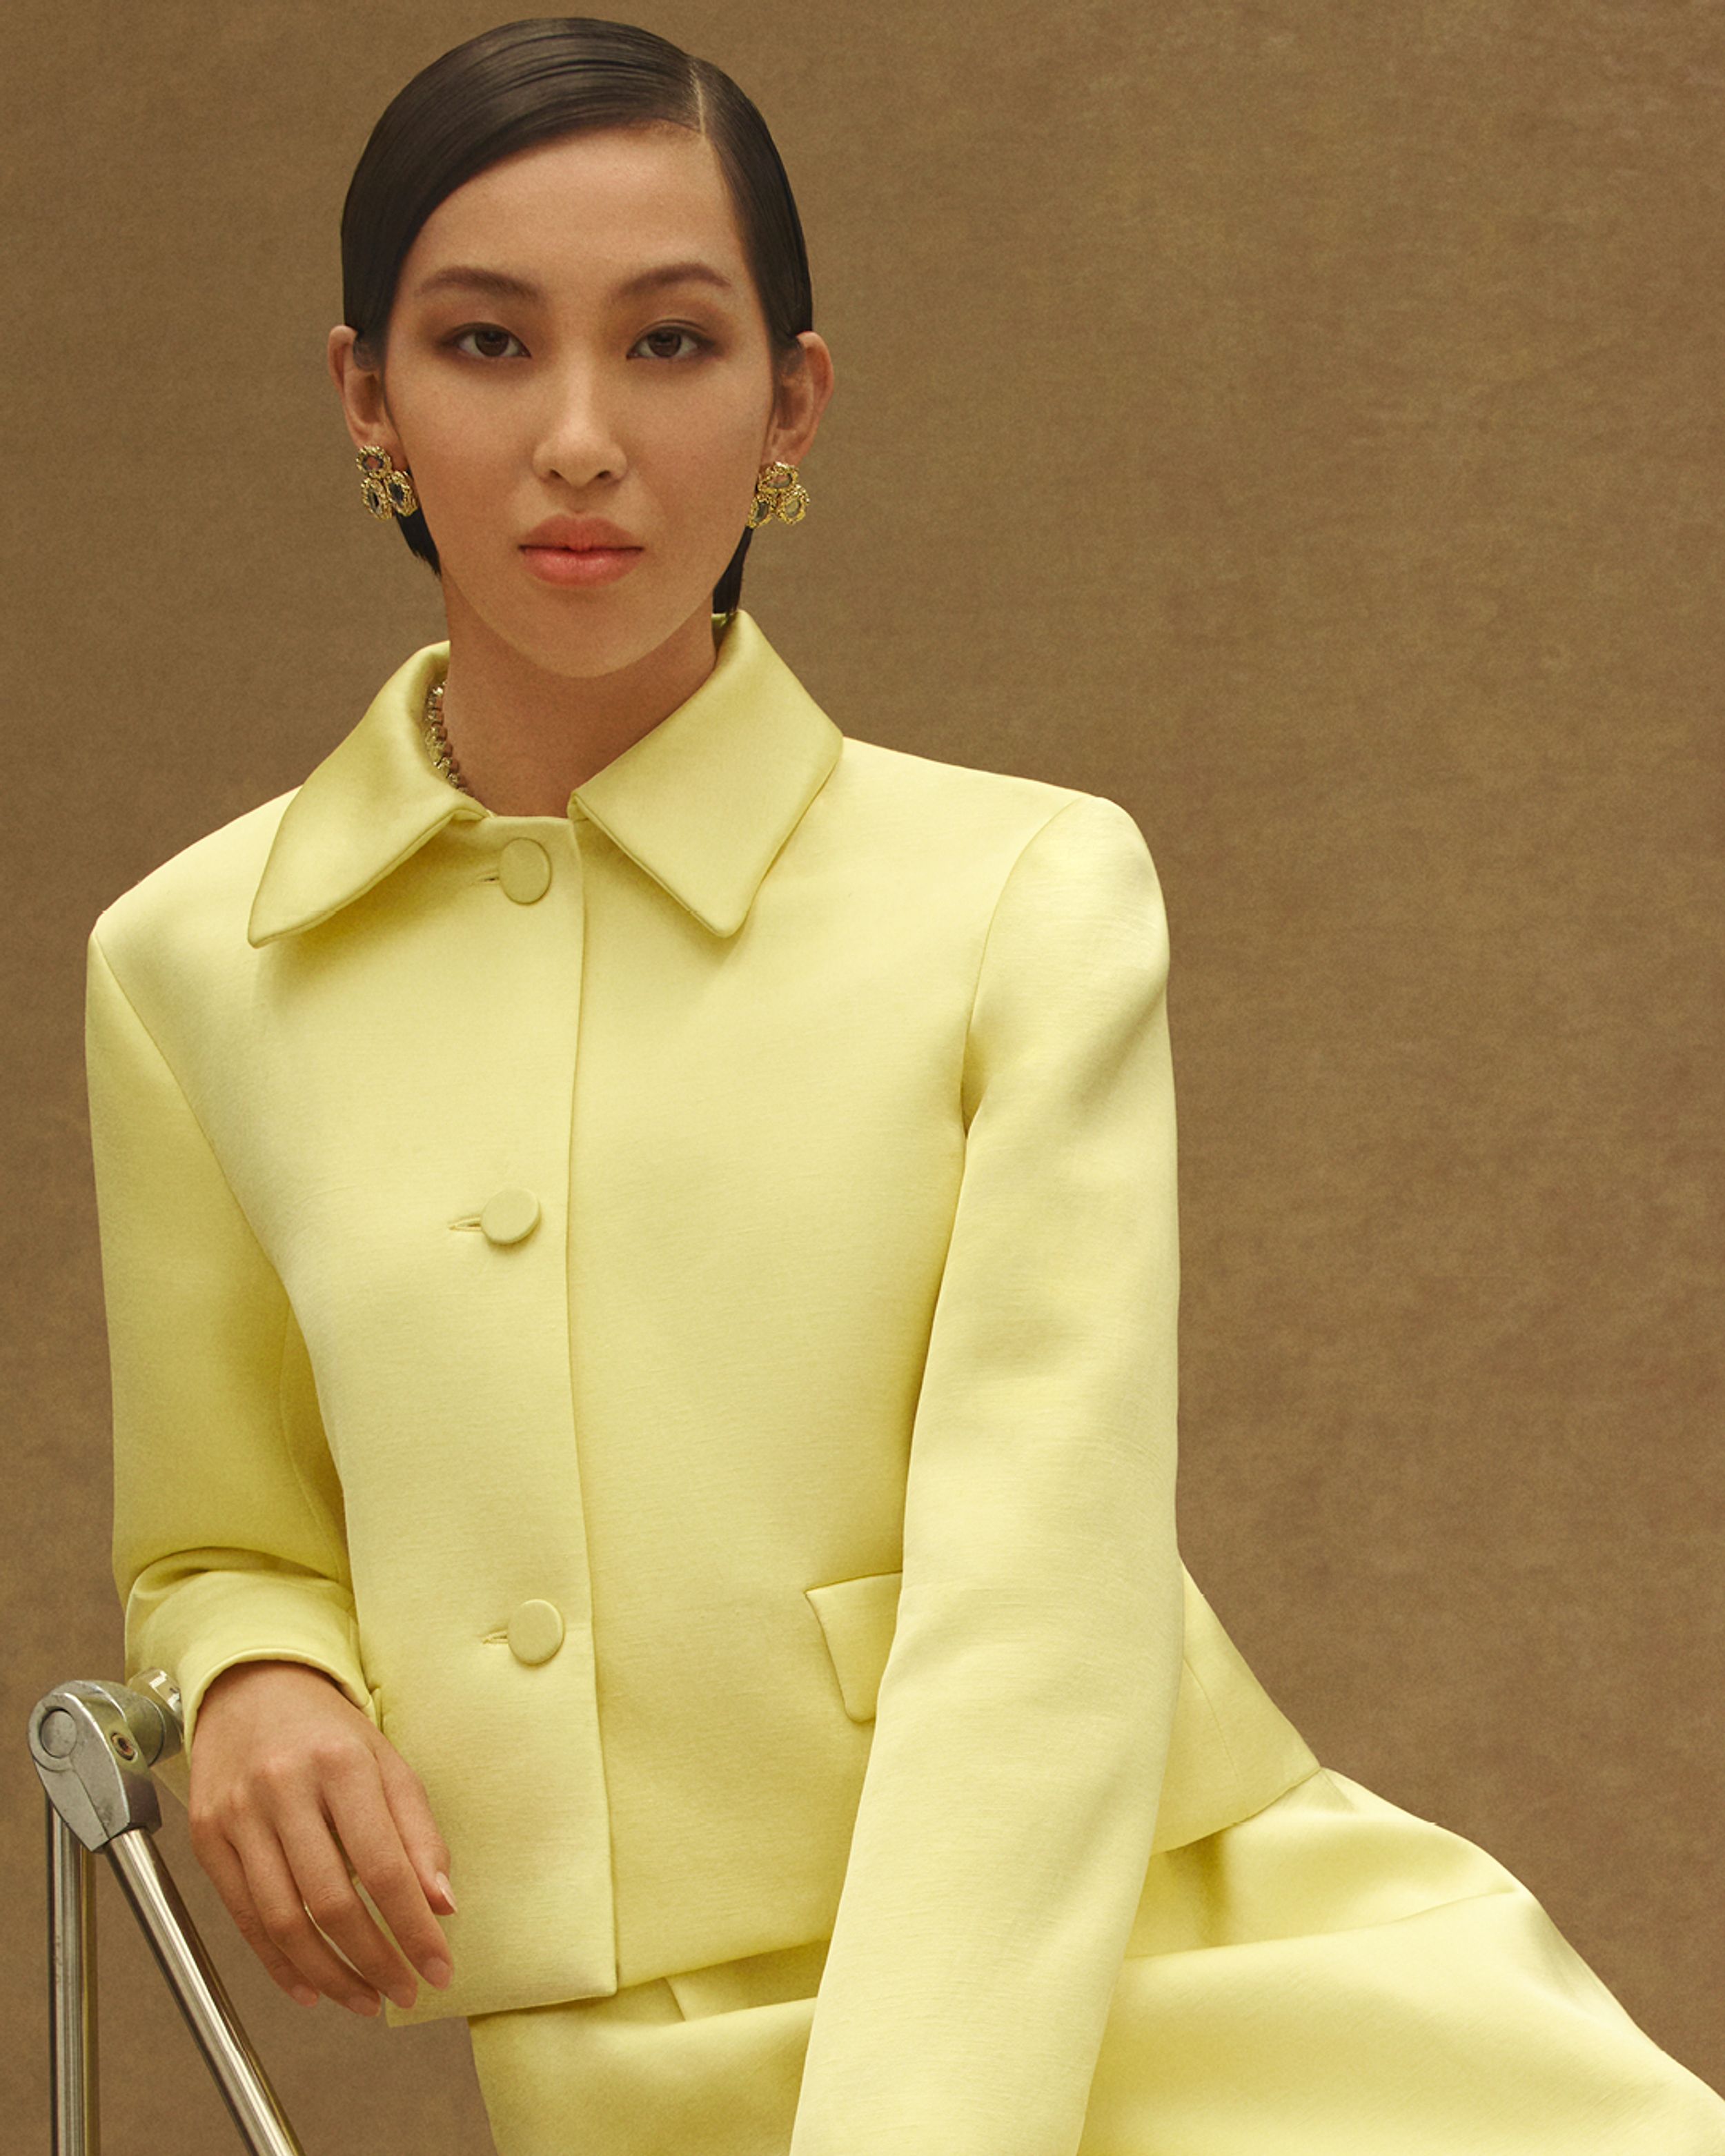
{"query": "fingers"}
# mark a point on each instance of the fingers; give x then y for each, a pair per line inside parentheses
(313, 1847)
(427, 1851)
(360, 1796)
(262, 1898)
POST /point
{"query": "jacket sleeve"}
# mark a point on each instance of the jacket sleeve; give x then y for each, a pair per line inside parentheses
(1025, 1711)
(228, 1544)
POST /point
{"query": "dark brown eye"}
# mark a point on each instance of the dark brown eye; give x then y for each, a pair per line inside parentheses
(482, 330)
(671, 330)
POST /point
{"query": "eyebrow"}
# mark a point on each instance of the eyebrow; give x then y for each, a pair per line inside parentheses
(473, 278)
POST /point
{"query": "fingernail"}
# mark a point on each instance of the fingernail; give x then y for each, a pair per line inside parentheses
(438, 1972)
(442, 1883)
(305, 1995)
(369, 2006)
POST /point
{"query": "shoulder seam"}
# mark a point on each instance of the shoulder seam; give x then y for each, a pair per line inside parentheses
(179, 1086)
(982, 962)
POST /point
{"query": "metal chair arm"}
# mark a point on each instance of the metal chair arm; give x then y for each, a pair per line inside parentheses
(94, 1745)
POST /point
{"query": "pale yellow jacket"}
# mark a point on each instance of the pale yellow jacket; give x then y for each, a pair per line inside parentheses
(673, 1308)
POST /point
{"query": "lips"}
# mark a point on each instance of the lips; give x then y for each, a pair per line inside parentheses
(579, 566)
(582, 535)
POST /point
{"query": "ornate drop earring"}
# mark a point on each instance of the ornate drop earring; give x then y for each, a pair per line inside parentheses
(778, 492)
(387, 492)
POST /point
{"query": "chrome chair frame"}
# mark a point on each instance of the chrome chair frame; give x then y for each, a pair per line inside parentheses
(94, 1745)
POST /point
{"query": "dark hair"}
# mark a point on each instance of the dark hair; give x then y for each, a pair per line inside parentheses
(530, 82)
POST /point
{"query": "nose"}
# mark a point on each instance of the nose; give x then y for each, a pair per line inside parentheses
(579, 441)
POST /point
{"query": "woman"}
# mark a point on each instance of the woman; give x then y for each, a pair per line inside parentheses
(639, 1241)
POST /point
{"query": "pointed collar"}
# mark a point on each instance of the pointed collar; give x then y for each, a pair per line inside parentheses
(702, 802)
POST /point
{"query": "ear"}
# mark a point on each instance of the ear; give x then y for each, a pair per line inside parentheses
(360, 389)
(805, 385)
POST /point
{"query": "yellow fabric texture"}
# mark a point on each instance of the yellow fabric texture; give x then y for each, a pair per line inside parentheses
(673, 1308)
(1334, 1976)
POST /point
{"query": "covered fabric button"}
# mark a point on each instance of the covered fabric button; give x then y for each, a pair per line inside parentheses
(524, 870)
(536, 1632)
(509, 1215)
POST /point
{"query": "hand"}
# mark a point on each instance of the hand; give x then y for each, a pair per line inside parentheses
(294, 1795)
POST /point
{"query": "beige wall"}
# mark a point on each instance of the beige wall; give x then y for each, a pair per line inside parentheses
(1297, 419)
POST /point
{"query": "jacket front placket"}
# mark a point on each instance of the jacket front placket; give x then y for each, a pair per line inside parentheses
(429, 969)
(486, 1675)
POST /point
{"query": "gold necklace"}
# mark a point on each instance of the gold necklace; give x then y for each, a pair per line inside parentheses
(437, 741)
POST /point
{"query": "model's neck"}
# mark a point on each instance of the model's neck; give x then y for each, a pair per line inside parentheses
(525, 738)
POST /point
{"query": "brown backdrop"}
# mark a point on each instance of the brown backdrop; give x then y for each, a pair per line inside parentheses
(1297, 419)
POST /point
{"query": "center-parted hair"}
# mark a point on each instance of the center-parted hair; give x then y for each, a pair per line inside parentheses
(534, 81)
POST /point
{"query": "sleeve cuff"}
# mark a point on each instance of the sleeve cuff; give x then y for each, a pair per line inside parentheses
(210, 1620)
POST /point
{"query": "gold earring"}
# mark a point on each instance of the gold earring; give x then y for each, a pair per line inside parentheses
(778, 492)
(387, 492)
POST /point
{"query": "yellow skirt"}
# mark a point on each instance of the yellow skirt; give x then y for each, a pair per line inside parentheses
(1332, 1977)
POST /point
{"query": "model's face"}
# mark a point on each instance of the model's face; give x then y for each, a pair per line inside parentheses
(603, 389)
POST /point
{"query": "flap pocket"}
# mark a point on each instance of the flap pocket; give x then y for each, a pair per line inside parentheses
(858, 1618)
(1231, 1749)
